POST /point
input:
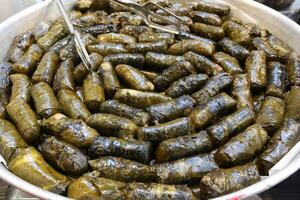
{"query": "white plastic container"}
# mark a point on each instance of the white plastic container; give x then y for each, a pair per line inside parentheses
(248, 11)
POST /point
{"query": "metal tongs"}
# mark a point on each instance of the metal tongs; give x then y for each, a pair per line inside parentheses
(143, 10)
(81, 50)
(148, 15)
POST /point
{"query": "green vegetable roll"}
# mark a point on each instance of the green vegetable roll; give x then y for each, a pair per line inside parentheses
(186, 85)
(116, 38)
(160, 60)
(150, 75)
(44, 99)
(279, 47)
(279, 145)
(237, 33)
(179, 107)
(218, 105)
(172, 129)
(184, 146)
(64, 78)
(134, 31)
(243, 147)
(106, 48)
(46, 68)
(262, 45)
(93, 92)
(11, 142)
(241, 90)
(218, 9)
(21, 87)
(133, 59)
(271, 113)
(231, 125)
(213, 86)
(24, 118)
(112, 125)
(159, 46)
(206, 18)
(228, 63)
(234, 49)
(150, 36)
(110, 80)
(71, 105)
(137, 150)
(225, 181)
(208, 31)
(5, 84)
(121, 169)
(292, 106)
(30, 166)
(58, 46)
(293, 69)
(99, 29)
(277, 77)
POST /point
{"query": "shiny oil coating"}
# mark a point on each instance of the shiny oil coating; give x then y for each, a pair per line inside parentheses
(11, 142)
(21, 87)
(220, 104)
(225, 181)
(178, 127)
(127, 148)
(106, 48)
(116, 38)
(160, 60)
(281, 49)
(292, 106)
(44, 99)
(140, 99)
(293, 69)
(228, 63)
(6, 70)
(280, 143)
(213, 86)
(134, 78)
(164, 112)
(135, 31)
(277, 76)
(24, 118)
(134, 59)
(234, 49)
(150, 36)
(233, 123)
(159, 46)
(71, 105)
(206, 18)
(261, 45)
(71, 160)
(109, 189)
(122, 169)
(185, 170)
(138, 116)
(184, 146)
(241, 91)
(208, 31)
(242, 148)
(237, 32)
(112, 125)
(64, 78)
(31, 166)
(82, 189)
(218, 9)
(46, 68)
(110, 80)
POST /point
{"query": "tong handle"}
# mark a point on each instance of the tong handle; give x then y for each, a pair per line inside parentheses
(82, 52)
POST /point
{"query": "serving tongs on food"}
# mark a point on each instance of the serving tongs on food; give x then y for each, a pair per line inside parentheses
(81, 50)
(148, 15)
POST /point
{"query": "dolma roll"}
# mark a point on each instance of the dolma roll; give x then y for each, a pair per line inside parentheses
(293, 69)
(277, 76)
(93, 92)
(204, 47)
(228, 63)
(106, 48)
(242, 148)
(279, 47)
(5, 83)
(24, 118)
(262, 45)
(184, 146)
(31, 167)
(178, 127)
(237, 32)
(44, 99)
(11, 142)
(64, 156)
(99, 29)
(185, 170)
(140, 99)
(133, 59)
(59, 45)
(110, 80)
(112, 125)
(46, 68)
(29, 60)
(138, 116)
(231, 124)
(134, 78)
(271, 113)
(135, 31)
(121, 169)
(218, 9)
(72, 131)
(57, 32)
(79, 92)
(206, 18)
(71, 105)
(150, 75)
(256, 69)
(161, 61)
(173, 73)
(241, 91)
(64, 78)
(137, 150)
(218, 105)
(279, 145)
(153, 191)
(21, 87)
(208, 31)
(213, 86)
(116, 38)
(225, 181)
(234, 49)
(202, 64)
(292, 106)
(186, 85)
(159, 46)
(179, 107)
